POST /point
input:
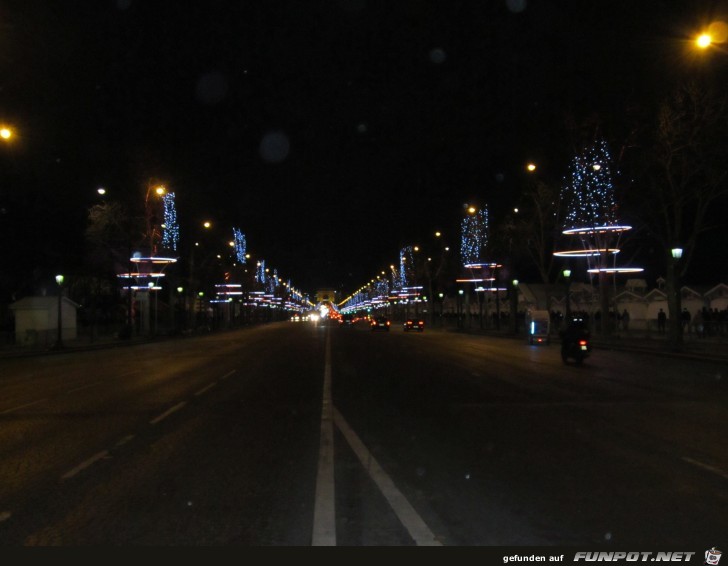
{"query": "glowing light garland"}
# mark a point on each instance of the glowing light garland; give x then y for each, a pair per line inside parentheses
(170, 233)
(474, 236)
(241, 246)
(588, 191)
(260, 274)
(406, 266)
(588, 194)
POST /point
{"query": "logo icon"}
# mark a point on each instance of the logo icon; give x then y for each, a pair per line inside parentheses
(712, 556)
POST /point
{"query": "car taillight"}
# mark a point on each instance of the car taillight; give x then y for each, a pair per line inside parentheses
(582, 342)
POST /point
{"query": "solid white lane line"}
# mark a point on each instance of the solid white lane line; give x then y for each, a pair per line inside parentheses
(83, 387)
(124, 440)
(228, 374)
(6, 411)
(83, 465)
(324, 513)
(418, 530)
(206, 388)
(168, 412)
(708, 467)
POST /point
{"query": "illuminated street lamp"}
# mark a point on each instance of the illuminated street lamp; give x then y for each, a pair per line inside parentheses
(159, 191)
(514, 305)
(6, 133)
(712, 37)
(674, 298)
(59, 338)
(567, 279)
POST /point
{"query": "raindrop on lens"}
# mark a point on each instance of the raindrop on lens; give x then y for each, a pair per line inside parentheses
(274, 147)
(437, 56)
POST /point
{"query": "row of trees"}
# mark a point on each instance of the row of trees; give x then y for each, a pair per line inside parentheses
(668, 181)
(209, 265)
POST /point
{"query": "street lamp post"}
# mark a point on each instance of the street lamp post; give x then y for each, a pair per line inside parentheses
(674, 298)
(514, 305)
(182, 303)
(567, 279)
(59, 337)
(441, 296)
(460, 307)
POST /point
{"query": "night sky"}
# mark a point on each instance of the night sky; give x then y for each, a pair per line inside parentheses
(332, 133)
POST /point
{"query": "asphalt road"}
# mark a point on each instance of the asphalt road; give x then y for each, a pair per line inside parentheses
(293, 434)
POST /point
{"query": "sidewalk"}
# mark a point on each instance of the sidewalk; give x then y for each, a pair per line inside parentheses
(713, 348)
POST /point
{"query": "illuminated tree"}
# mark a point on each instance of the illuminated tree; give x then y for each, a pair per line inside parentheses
(474, 235)
(683, 167)
(406, 267)
(588, 190)
(170, 233)
(240, 246)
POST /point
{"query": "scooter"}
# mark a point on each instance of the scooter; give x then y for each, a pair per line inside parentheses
(577, 349)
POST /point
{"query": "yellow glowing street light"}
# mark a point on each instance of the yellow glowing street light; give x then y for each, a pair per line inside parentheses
(716, 33)
(207, 224)
(531, 167)
(6, 133)
(703, 41)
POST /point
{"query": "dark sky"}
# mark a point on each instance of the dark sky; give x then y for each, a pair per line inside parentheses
(332, 133)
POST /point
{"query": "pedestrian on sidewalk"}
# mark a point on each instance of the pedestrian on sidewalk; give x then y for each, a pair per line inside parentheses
(661, 321)
(698, 324)
(685, 319)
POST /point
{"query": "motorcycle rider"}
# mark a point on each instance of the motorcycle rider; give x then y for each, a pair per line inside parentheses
(576, 329)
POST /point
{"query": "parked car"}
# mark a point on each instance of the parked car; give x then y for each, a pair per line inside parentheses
(380, 323)
(414, 324)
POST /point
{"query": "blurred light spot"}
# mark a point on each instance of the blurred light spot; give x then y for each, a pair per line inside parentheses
(607, 536)
(437, 55)
(123, 4)
(467, 476)
(211, 88)
(718, 32)
(420, 471)
(361, 128)
(703, 40)
(500, 177)
(274, 147)
(516, 6)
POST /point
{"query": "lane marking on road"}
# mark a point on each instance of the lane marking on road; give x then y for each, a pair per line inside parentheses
(7, 411)
(324, 513)
(708, 467)
(82, 387)
(228, 374)
(206, 388)
(128, 438)
(83, 465)
(168, 412)
(417, 528)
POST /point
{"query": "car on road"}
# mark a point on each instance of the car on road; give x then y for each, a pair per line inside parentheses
(417, 324)
(347, 320)
(380, 323)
